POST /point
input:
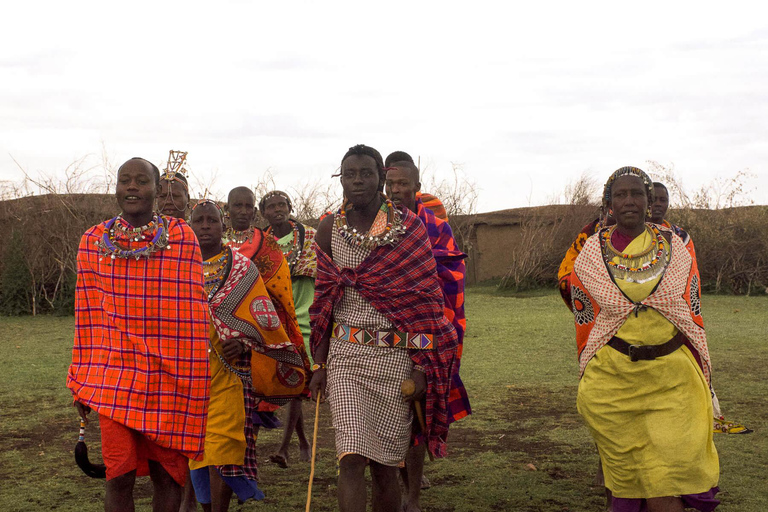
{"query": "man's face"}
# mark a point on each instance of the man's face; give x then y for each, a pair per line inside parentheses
(402, 187)
(136, 188)
(206, 223)
(172, 196)
(660, 205)
(360, 179)
(241, 210)
(276, 210)
(629, 202)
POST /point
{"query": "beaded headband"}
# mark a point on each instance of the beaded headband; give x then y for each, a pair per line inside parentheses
(202, 202)
(627, 171)
(274, 193)
(177, 165)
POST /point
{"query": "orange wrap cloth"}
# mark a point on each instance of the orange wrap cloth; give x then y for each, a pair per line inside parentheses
(140, 355)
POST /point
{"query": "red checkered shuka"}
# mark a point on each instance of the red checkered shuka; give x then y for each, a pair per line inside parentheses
(401, 282)
(140, 355)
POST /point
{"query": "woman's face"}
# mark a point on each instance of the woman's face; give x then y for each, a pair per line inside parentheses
(629, 202)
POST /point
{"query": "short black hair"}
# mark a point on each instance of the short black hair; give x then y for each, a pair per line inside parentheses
(405, 164)
(363, 150)
(238, 190)
(155, 170)
(660, 184)
(398, 156)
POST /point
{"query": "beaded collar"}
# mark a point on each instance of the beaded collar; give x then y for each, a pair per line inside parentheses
(236, 238)
(637, 268)
(215, 271)
(293, 251)
(119, 236)
(389, 235)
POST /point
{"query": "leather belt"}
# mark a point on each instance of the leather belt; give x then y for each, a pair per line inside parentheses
(647, 352)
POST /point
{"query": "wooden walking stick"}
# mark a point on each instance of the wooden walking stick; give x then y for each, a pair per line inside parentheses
(314, 451)
(407, 387)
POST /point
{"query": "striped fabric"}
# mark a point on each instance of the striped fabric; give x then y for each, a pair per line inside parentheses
(451, 270)
(401, 283)
(140, 355)
(434, 204)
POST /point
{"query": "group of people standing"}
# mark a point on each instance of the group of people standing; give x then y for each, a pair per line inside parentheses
(190, 334)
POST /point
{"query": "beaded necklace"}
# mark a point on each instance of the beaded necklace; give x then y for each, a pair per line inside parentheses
(636, 268)
(293, 251)
(214, 272)
(237, 238)
(389, 235)
(118, 235)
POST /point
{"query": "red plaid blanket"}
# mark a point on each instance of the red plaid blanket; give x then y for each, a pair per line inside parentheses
(141, 339)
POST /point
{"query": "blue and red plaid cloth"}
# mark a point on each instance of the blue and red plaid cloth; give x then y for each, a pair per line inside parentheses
(401, 282)
(451, 270)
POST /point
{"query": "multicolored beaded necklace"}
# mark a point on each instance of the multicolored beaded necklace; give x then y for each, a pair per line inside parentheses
(214, 272)
(293, 251)
(377, 235)
(118, 235)
(636, 268)
(236, 238)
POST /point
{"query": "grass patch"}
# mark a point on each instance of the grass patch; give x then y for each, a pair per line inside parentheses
(520, 370)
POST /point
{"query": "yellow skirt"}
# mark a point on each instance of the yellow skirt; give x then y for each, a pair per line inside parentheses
(652, 422)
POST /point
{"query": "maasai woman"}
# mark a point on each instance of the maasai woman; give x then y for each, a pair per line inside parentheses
(244, 324)
(295, 241)
(644, 391)
(263, 251)
(173, 200)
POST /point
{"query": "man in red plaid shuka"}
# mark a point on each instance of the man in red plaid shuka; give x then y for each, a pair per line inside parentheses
(402, 186)
(377, 320)
(140, 357)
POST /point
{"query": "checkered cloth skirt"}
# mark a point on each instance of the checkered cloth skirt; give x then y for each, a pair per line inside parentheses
(369, 414)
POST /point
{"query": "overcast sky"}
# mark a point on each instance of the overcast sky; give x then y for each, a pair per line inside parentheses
(525, 98)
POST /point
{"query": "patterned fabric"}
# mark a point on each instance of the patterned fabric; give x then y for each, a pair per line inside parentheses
(610, 307)
(434, 204)
(306, 263)
(140, 355)
(566, 266)
(268, 258)
(451, 270)
(401, 283)
(391, 338)
(370, 417)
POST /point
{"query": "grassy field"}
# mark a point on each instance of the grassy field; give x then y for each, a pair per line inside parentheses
(523, 449)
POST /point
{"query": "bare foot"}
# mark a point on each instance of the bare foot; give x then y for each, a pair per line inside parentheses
(425, 483)
(305, 453)
(279, 459)
(411, 507)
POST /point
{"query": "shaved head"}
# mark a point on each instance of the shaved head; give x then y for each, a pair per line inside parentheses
(409, 166)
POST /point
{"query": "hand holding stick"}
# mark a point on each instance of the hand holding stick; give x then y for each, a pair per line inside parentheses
(407, 388)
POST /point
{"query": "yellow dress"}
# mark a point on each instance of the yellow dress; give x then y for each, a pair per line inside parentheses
(224, 432)
(651, 420)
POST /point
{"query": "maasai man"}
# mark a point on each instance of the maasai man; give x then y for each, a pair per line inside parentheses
(377, 320)
(231, 281)
(295, 241)
(402, 186)
(140, 356)
(644, 362)
(252, 243)
(428, 200)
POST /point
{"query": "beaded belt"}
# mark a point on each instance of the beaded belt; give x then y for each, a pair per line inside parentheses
(391, 338)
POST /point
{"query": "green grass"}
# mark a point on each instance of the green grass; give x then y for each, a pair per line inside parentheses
(521, 373)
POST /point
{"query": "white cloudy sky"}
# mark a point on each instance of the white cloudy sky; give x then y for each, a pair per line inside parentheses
(526, 97)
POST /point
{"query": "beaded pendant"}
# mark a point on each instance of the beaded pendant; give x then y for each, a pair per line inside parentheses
(390, 235)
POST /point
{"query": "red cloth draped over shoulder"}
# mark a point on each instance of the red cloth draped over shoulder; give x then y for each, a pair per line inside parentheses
(140, 355)
(451, 270)
(401, 282)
